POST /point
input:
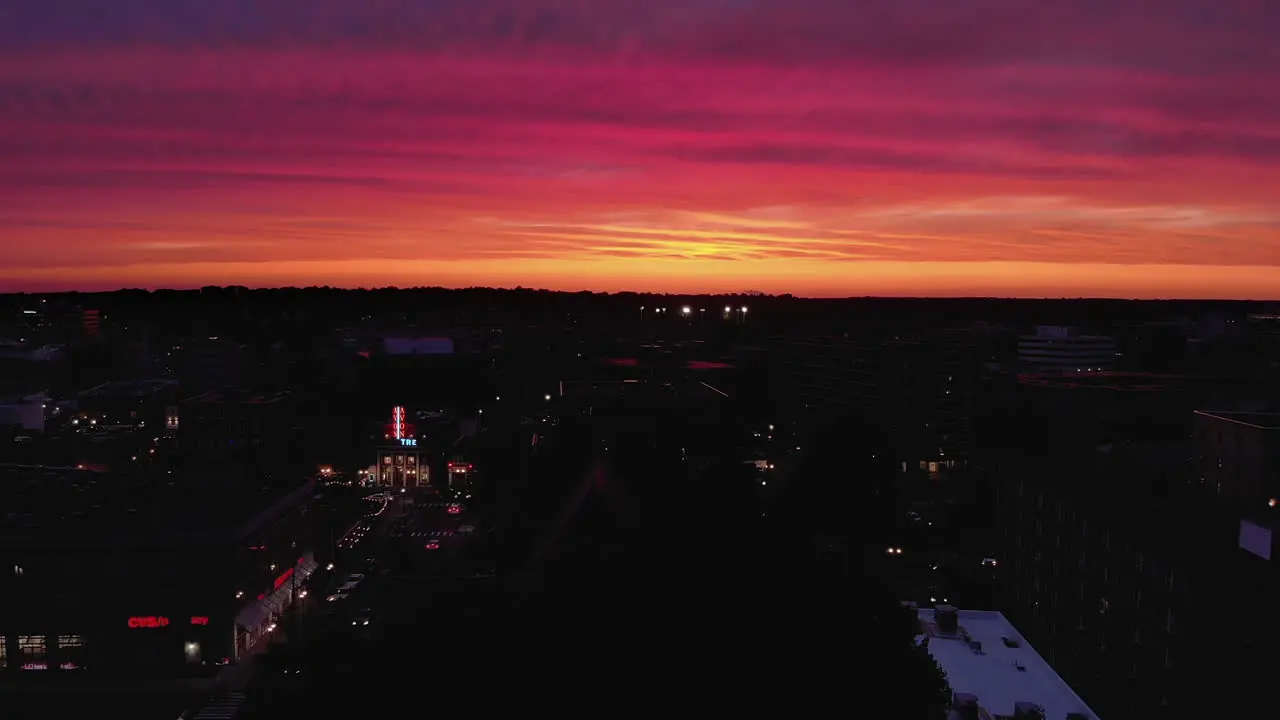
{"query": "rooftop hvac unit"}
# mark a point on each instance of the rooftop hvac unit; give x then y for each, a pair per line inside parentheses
(1027, 711)
(966, 706)
(947, 618)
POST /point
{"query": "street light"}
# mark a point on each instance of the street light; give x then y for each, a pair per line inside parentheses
(547, 397)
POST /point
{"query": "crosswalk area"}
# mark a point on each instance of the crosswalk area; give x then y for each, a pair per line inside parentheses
(223, 706)
(432, 534)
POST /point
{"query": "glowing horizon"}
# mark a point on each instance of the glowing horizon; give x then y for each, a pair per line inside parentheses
(808, 147)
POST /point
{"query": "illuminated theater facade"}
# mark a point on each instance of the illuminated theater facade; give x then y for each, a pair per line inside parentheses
(400, 460)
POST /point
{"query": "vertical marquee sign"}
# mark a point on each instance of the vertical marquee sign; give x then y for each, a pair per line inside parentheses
(397, 422)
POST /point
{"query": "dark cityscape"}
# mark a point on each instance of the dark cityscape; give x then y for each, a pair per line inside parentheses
(233, 503)
(903, 359)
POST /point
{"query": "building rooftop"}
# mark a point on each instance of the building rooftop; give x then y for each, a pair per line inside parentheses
(1119, 381)
(986, 657)
(1259, 420)
(129, 388)
(218, 397)
(53, 506)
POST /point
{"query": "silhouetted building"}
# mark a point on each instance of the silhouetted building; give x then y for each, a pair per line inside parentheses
(209, 362)
(1157, 347)
(928, 387)
(1140, 569)
(1095, 559)
(92, 324)
(1064, 350)
(141, 403)
(24, 414)
(824, 376)
(1238, 454)
(236, 427)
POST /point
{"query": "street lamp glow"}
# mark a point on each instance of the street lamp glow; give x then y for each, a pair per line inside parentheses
(547, 397)
(728, 309)
(744, 308)
(686, 310)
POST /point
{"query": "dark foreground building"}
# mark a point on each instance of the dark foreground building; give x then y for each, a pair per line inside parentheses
(111, 575)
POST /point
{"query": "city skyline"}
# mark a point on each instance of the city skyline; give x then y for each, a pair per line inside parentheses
(811, 147)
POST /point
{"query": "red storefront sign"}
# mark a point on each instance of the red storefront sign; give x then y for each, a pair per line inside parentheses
(149, 621)
(199, 620)
(284, 578)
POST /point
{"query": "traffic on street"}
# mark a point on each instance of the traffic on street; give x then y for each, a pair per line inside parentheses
(403, 551)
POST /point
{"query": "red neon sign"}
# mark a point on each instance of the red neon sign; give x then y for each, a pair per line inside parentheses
(199, 620)
(150, 621)
(284, 578)
(397, 421)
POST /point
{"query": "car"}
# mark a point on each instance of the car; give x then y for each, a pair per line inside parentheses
(355, 578)
(337, 597)
(347, 587)
(466, 529)
(454, 509)
(433, 545)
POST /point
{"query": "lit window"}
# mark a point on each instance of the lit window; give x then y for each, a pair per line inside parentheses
(31, 647)
(4, 652)
(70, 641)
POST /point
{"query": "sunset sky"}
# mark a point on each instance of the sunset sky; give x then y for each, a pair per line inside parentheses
(1125, 148)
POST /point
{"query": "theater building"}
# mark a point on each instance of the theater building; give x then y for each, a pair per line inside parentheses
(400, 458)
(110, 575)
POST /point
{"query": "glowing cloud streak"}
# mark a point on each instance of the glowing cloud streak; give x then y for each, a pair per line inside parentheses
(806, 146)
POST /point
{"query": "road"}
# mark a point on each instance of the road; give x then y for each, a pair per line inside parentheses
(410, 557)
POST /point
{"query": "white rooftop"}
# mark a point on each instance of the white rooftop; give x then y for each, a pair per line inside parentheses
(997, 674)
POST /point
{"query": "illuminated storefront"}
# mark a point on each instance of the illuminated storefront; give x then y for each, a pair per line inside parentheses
(157, 640)
(165, 604)
(258, 619)
(460, 477)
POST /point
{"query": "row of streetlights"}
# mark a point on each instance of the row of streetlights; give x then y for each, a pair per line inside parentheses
(687, 311)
